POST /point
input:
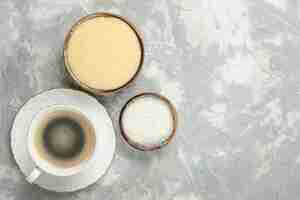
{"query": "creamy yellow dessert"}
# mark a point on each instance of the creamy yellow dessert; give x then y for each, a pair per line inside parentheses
(104, 53)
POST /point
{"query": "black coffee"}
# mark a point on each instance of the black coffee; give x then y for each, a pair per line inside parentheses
(64, 138)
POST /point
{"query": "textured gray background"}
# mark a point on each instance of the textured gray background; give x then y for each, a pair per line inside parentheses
(231, 67)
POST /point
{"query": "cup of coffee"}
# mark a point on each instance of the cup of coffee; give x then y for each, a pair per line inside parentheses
(61, 142)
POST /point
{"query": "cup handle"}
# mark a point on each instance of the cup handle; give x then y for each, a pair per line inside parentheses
(33, 175)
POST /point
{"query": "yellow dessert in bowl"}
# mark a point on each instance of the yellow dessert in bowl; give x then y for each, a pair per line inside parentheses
(103, 53)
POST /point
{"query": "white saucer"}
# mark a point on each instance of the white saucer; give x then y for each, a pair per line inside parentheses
(96, 114)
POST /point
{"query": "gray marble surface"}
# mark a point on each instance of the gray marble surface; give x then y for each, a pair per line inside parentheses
(231, 67)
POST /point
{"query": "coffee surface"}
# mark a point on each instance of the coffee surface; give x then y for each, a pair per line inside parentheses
(64, 138)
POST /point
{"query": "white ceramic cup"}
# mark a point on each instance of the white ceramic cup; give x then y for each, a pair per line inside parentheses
(43, 165)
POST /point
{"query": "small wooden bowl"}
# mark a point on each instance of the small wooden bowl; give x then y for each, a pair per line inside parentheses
(142, 147)
(69, 68)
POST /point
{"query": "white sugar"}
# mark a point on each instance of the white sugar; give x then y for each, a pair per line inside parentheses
(148, 121)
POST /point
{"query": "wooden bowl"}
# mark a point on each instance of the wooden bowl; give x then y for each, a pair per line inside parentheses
(69, 68)
(142, 147)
